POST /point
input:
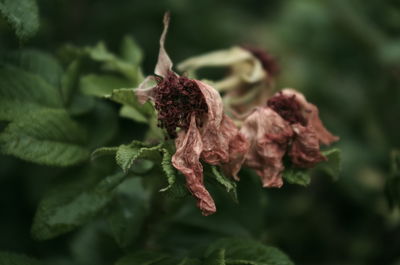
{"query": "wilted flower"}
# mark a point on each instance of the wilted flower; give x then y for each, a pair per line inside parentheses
(192, 113)
(249, 80)
(287, 125)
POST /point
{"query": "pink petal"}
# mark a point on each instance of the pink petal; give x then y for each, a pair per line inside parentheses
(268, 135)
(186, 159)
(311, 113)
(215, 140)
(145, 90)
(214, 103)
(237, 148)
(164, 63)
(304, 151)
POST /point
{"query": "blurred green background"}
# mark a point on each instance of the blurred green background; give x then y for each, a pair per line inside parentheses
(343, 55)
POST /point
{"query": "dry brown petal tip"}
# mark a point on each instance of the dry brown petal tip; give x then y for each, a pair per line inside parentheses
(189, 146)
(145, 91)
(311, 114)
(164, 63)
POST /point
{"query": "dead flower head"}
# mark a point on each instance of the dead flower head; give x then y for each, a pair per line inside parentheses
(191, 112)
(287, 125)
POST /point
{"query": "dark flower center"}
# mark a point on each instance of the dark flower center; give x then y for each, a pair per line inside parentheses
(288, 108)
(267, 61)
(176, 98)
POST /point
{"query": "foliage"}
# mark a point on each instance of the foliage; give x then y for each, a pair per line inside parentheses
(22, 15)
(86, 175)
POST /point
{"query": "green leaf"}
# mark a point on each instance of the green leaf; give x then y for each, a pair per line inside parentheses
(333, 165)
(248, 252)
(297, 176)
(113, 63)
(168, 169)
(81, 104)
(71, 206)
(395, 162)
(392, 186)
(132, 113)
(228, 184)
(46, 137)
(22, 15)
(125, 96)
(22, 93)
(130, 51)
(129, 211)
(153, 258)
(7, 258)
(103, 151)
(101, 85)
(37, 63)
(69, 81)
(217, 257)
(132, 108)
(127, 155)
(141, 258)
(101, 123)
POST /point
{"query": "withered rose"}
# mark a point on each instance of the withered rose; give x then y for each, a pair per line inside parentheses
(287, 125)
(192, 113)
(249, 80)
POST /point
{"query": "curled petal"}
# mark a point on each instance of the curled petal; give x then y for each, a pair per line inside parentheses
(186, 159)
(164, 63)
(238, 147)
(215, 145)
(218, 58)
(311, 113)
(268, 135)
(214, 103)
(252, 72)
(304, 151)
(324, 136)
(145, 91)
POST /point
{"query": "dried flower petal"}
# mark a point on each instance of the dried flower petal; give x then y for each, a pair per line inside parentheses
(311, 114)
(238, 147)
(267, 60)
(217, 58)
(215, 144)
(145, 91)
(268, 135)
(164, 63)
(304, 151)
(189, 146)
(247, 84)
